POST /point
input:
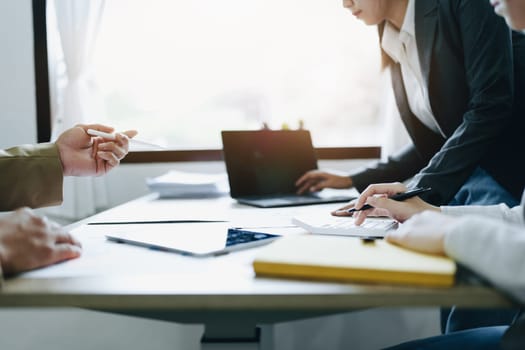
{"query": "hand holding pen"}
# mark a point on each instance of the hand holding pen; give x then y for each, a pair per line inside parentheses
(112, 136)
(394, 200)
(400, 196)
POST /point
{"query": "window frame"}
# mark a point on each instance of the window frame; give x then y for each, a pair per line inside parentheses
(43, 112)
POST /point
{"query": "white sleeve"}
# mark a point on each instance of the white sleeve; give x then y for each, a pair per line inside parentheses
(500, 211)
(491, 248)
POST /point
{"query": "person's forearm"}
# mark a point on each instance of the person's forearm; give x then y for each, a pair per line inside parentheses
(491, 248)
(32, 176)
(500, 211)
(350, 182)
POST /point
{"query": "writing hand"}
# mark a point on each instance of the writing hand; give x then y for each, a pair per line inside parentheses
(377, 195)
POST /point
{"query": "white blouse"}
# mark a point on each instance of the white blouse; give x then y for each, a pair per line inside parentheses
(401, 46)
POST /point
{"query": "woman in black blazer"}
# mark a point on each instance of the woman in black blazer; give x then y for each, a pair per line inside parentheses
(458, 78)
(459, 100)
(483, 337)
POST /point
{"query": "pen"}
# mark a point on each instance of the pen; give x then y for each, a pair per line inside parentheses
(397, 197)
(109, 136)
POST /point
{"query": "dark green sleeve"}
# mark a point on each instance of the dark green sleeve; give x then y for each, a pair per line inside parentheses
(32, 176)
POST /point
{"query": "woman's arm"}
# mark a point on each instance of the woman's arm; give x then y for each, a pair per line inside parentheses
(500, 212)
(487, 54)
(492, 248)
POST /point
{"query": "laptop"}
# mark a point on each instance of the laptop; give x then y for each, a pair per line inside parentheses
(263, 166)
(192, 239)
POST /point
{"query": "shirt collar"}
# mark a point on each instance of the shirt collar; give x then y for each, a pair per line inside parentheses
(409, 23)
(392, 38)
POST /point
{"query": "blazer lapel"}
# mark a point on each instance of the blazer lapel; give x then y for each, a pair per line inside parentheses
(426, 21)
(514, 337)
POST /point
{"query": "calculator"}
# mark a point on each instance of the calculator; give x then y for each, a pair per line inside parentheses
(345, 226)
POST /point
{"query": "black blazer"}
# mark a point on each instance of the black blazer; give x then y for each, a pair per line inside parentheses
(474, 69)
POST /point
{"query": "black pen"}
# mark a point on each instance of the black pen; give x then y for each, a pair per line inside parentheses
(397, 197)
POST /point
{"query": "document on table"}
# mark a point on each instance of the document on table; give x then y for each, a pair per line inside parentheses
(180, 184)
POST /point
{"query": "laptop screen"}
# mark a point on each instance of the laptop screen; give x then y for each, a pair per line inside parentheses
(266, 162)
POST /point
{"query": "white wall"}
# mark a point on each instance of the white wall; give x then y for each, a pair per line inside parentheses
(17, 88)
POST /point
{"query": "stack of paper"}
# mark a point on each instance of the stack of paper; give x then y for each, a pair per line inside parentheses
(180, 184)
(352, 259)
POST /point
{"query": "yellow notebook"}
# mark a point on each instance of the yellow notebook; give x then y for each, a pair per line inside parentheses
(352, 259)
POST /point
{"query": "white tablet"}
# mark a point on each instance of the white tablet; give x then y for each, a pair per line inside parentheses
(194, 239)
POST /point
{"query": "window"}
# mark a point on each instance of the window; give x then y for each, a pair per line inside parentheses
(180, 71)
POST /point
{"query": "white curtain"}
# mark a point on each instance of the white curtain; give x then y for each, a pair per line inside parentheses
(72, 31)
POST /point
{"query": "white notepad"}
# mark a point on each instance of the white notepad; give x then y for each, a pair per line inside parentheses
(345, 226)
